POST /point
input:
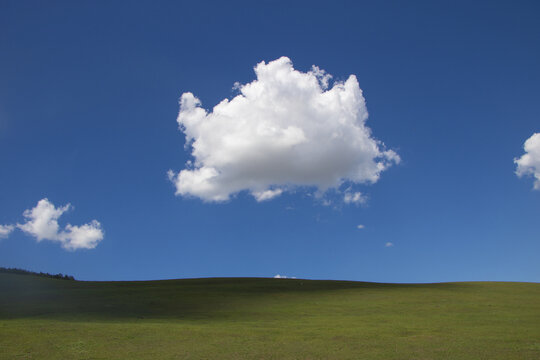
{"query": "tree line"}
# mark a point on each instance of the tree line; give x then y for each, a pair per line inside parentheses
(26, 272)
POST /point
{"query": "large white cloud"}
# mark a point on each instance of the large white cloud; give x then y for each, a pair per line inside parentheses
(529, 163)
(285, 129)
(5, 230)
(42, 223)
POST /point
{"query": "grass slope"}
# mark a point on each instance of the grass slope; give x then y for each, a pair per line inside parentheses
(43, 318)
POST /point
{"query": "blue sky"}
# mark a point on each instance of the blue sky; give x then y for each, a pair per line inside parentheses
(89, 97)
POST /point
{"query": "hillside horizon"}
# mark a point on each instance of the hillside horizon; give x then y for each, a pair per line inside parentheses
(266, 318)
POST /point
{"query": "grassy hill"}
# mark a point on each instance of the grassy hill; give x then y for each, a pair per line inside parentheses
(251, 318)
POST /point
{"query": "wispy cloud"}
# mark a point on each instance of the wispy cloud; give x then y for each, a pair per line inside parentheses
(266, 194)
(389, 244)
(360, 226)
(5, 230)
(354, 198)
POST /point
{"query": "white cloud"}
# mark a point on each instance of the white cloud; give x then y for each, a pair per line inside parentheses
(284, 277)
(388, 244)
(86, 236)
(529, 163)
(42, 223)
(5, 230)
(354, 198)
(285, 129)
(267, 194)
(42, 220)
(360, 226)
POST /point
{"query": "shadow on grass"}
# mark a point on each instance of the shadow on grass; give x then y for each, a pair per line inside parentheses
(26, 296)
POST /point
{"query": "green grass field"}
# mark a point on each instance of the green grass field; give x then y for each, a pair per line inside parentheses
(251, 318)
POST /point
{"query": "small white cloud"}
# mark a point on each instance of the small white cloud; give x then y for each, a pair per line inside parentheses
(266, 195)
(86, 236)
(529, 163)
(42, 223)
(360, 226)
(326, 202)
(284, 277)
(5, 230)
(388, 244)
(284, 130)
(354, 198)
(42, 220)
